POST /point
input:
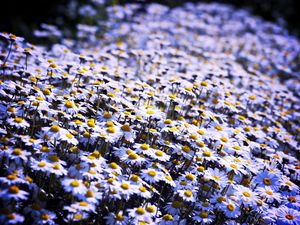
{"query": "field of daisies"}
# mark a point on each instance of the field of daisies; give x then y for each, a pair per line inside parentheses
(188, 115)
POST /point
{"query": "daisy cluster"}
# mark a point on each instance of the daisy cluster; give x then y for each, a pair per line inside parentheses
(171, 116)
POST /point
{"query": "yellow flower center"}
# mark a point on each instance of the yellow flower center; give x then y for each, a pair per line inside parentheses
(207, 153)
(45, 216)
(113, 165)
(200, 169)
(111, 130)
(150, 112)
(246, 194)
(75, 183)
(91, 122)
(289, 216)
(11, 177)
(55, 128)
(140, 211)
(13, 189)
(77, 216)
(159, 153)
(119, 217)
(19, 120)
(152, 173)
(109, 124)
(219, 128)
(168, 217)
(132, 156)
(126, 128)
(221, 199)
(269, 192)
(110, 180)
(233, 166)
(69, 104)
(11, 216)
(186, 148)
(247, 129)
(89, 194)
(53, 158)
(267, 181)
(203, 83)
(46, 92)
(169, 178)
(11, 110)
(189, 177)
(107, 115)
(292, 199)
(125, 186)
(56, 166)
(142, 189)
(252, 97)
(188, 193)
(83, 204)
(217, 178)
(203, 214)
(144, 146)
(236, 147)
(41, 164)
(176, 204)
(224, 139)
(70, 136)
(17, 151)
(230, 207)
(150, 209)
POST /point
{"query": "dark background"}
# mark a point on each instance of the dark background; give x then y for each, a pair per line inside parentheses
(22, 16)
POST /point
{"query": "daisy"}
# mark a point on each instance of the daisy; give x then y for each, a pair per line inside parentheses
(74, 186)
(132, 158)
(246, 195)
(151, 175)
(42, 165)
(12, 218)
(217, 176)
(116, 219)
(138, 214)
(160, 155)
(69, 138)
(83, 206)
(267, 179)
(167, 219)
(11, 179)
(76, 216)
(69, 107)
(291, 201)
(46, 217)
(114, 168)
(57, 169)
(269, 194)
(174, 207)
(55, 131)
(14, 192)
(143, 192)
(17, 154)
(18, 122)
(287, 216)
(128, 132)
(144, 149)
(203, 217)
(126, 189)
(152, 211)
(187, 195)
(231, 209)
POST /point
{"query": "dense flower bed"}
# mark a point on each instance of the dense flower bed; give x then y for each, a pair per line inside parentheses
(172, 116)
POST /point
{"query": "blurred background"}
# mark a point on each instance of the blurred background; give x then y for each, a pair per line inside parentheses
(22, 17)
